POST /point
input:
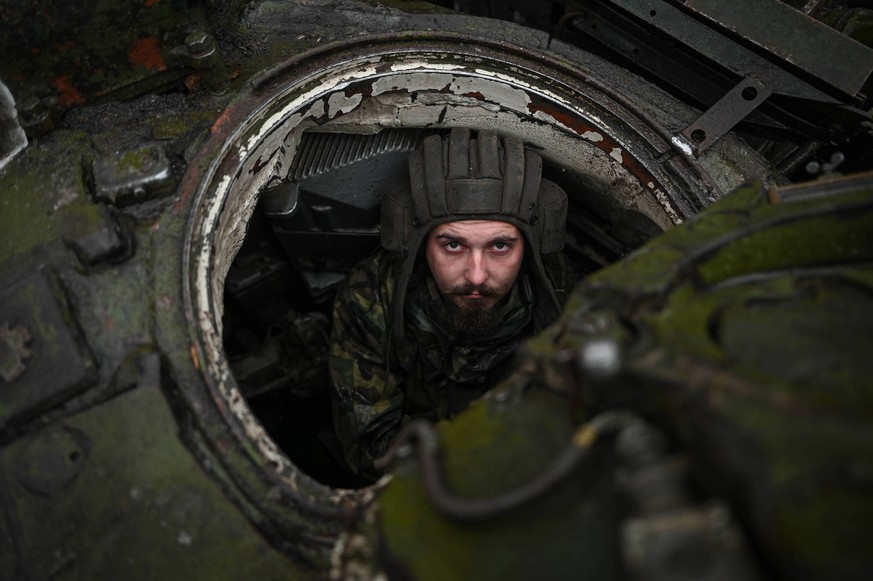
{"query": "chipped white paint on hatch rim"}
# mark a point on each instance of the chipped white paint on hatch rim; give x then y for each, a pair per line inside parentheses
(616, 154)
(265, 145)
(420, 63)
(593, 136)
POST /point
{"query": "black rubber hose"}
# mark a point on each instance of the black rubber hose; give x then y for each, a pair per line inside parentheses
(469, 509)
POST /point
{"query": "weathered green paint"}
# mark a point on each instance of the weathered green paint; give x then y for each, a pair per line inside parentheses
(45, 196)
(490, 449)
(817, 465)
(119, 322)
(752, 328)
(139, 507)
(175, 125)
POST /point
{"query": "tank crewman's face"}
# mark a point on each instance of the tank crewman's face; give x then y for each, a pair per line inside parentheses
(475, 262)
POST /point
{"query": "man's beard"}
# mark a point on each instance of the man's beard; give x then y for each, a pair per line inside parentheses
(471, 318)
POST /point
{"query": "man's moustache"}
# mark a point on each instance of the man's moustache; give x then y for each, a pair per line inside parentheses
(468, 289)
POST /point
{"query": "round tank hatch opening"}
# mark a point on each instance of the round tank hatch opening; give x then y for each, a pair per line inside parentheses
(291, 202)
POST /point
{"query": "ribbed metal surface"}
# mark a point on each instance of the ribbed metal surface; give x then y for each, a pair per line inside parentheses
(322, 152)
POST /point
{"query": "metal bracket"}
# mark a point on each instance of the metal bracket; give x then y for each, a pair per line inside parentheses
(725, 114)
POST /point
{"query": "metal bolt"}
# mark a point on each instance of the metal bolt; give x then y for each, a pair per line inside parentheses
(199, 42)
(404, 451)
(600, 357)
(52, 460)
(30, 106)
(35, 116)
(185, 539)
(502, 396)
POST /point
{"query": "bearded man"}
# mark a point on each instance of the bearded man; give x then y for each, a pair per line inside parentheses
(469, 268)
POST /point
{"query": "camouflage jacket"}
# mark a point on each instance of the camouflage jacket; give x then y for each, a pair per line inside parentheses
(380, 384)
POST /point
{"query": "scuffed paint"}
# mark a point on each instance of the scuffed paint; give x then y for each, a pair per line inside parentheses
(682, 144)
(329, 84)
(665, 203)
(68, 95)
(195, 357)
(67, 196)
(209, 317)
(202, 259)
(546, 118)
(616, 155)
(147, 52)
(222, 119)
(412, 82)
(592, 136)
(506, 96)
(511, 80)
(424, 64)
(557, 112)
(339, 103)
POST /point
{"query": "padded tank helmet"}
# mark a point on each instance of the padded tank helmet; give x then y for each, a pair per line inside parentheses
(485, 178)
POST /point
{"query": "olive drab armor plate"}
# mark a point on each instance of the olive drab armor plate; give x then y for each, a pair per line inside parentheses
(747, 333)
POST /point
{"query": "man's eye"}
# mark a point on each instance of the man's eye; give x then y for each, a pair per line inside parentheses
(501, 246)
(452, 245)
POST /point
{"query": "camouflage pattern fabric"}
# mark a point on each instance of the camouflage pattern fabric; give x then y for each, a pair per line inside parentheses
(380, 385)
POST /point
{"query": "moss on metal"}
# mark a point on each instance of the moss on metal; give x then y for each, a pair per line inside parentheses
(137, 504)
(752, 329)
(490, 449)
(38, 206)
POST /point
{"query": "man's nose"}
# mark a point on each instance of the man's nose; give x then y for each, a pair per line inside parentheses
(476, 272)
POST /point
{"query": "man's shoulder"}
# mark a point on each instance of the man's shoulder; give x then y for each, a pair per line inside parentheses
(362, 306)
(378, 268)
(370, 282)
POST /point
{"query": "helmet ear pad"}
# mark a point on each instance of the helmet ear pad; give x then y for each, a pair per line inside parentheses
(488, 178)
(395, 228)
(552, 221)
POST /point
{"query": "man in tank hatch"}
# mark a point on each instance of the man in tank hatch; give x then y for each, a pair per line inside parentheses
(469, 268)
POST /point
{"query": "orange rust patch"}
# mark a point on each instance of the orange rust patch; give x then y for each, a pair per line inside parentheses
(195, 357)
(68, 95)
(220, 121)
(193, 83)
(147, 52)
